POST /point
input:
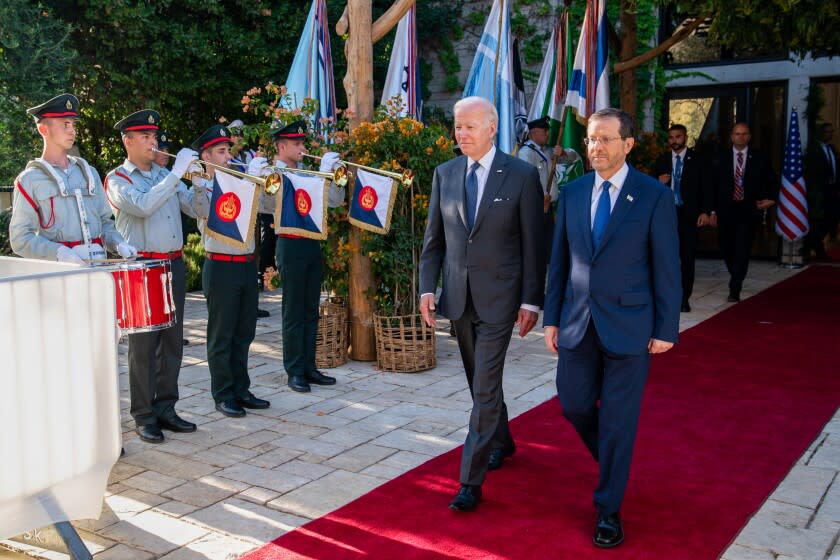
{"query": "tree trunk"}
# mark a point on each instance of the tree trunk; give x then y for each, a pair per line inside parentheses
(629, 45)
(358, 83)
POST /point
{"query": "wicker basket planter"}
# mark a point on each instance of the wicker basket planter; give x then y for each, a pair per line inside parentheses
(332, 338)
(404, 344)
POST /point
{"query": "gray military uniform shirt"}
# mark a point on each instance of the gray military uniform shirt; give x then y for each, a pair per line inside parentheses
(149, 206)
(44, 215)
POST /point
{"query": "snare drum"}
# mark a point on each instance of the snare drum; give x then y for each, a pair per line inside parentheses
(145, 301)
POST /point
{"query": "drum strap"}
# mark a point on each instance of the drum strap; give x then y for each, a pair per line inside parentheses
(80, 203)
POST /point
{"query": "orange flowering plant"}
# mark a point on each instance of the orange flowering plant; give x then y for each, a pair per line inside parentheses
(394, 143)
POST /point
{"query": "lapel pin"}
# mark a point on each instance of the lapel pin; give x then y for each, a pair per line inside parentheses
(629, 198)
(498, 171)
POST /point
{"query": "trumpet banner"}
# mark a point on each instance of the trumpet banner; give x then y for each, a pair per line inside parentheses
(303, 206)
(233, 210)
(373, 201)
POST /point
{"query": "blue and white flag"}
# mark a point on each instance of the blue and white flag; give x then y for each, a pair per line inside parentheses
(303, 210)
(491, 74)
(792, 213)
(311, 74)
(233, 210)
(589, 85)
(403, 79)
(373, 201)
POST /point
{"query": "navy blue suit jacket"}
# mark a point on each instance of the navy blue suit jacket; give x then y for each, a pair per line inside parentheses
(630, 286)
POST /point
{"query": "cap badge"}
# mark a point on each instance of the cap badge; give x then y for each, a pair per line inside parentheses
(300, 130)
(163, 137)
(151, 119)
(69, 105)
(221, 131)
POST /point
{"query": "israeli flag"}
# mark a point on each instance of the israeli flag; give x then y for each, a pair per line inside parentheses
(233, 210)
(403, 79)
(373, 201)
(589, 85)
(491, 74)
(303, 210)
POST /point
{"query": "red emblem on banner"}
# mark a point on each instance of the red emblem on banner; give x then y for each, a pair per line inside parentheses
(368, 198)
(303, 203)
(228, 207)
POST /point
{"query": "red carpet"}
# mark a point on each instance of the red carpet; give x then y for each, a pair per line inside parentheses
(725, 416)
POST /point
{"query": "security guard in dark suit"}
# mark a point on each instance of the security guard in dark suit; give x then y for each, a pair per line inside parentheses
(301, 270)
(231, 293)
(690, 178)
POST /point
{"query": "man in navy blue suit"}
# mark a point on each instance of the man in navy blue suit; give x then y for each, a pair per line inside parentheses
(613, 299)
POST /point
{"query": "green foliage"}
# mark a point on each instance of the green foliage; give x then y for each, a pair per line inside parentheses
(34, 63)
(451, 64)
(193, 261)
(5, 217)
(437, 27)
(191, 60)
(392, 143)
(533, 50)
(643, 156)
(780, 25)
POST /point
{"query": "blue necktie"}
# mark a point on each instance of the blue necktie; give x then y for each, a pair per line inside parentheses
(602, 215)
(471, 192)
(678, 165)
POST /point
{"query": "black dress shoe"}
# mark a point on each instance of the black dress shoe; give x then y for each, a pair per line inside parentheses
(467, 498)
(230, 409)
(150, 433)
(734, 297)
(262, 314)
(252, 402)
(175, 423)
(497, 456)
(186, 342)
(608, 531)
(319, 378)
(299, 383)
(685, 308)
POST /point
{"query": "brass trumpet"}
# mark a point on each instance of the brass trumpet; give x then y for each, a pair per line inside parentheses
(340, 179)
(270, 183)
(406, 177)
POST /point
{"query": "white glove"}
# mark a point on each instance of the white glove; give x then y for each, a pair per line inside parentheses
(329, 162)
(183, 161)
(336, 196)
(126, 251)
(257, 166)
(68, 255)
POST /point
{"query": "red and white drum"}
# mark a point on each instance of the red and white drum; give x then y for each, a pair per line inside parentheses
(145, 301)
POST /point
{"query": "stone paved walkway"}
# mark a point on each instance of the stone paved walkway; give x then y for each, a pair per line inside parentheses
(239, 483)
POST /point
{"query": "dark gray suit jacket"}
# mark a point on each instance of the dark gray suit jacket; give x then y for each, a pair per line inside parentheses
(502, 258)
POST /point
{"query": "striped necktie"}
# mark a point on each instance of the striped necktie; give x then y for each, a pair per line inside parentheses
(738, 194)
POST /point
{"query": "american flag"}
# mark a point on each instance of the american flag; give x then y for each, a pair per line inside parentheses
(792, 215)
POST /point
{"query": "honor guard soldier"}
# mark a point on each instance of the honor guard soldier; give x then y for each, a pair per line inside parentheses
(230, 288)
(148, 200)
(537, 152)
(300, 266)
(59, 210)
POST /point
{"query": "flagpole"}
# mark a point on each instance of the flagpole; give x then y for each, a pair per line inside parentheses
(498, 49)
(564, 26)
